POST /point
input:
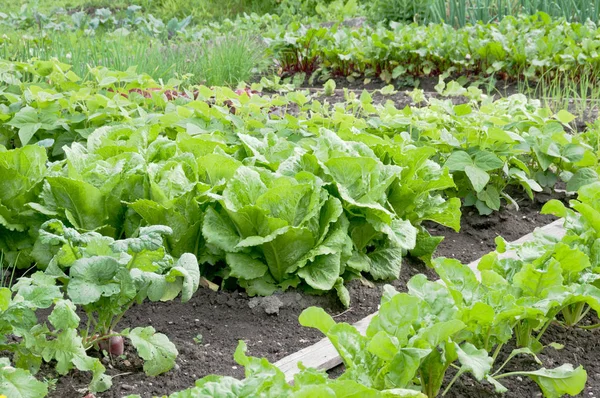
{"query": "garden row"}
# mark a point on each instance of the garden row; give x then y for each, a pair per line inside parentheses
(526, 48)
(117, 187)
(516, 48)
(461, 326)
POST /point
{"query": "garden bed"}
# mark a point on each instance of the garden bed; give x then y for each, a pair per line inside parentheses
(400, 98)
(270, 325)
(581, 347)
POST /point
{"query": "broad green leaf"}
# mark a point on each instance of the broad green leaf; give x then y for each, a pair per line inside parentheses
(5, 297)
(478, 362)
(401, 233)
(572, 261)
(554, 383)
(93, 278)
(154, 348)
(534, 282)
(63, 315)
(581, 178)
(187, 268)
(84, 204)
(555, 207)
(385, 262)
(314, 317)
(29, 120)
(458, 161)
(323, 272)
(244, 266)
(218, 230)
(403, 367)
(397, 316)
(591, 215)
(491, 197)
(478, 177)
(564, 116)
(487, 161)
(19, 383)
(243, 189)
(459, 277)
(285, 250)
(437, 333)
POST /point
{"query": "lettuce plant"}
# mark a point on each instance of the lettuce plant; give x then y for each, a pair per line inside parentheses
(275, 231)
(22, 172)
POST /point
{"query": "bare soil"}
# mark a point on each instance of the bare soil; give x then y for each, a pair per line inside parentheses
(206, 330)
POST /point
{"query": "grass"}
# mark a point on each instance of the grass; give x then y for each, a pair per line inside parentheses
(230, 60)
(200, 10)
(571, 90)
(461, 12)
(225, 61)
(7, 272)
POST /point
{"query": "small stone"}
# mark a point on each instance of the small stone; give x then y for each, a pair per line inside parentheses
(126, 363)
(127, 387)
(519, 378)
(170, 322)
(196, 320)
(176, 367)
(234, 367)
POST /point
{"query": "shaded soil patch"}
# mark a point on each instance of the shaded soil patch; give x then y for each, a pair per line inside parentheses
(477, 233)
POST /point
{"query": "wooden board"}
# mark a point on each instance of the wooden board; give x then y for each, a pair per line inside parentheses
(323, 356)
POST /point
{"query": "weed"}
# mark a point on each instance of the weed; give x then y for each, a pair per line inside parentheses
(229, 60)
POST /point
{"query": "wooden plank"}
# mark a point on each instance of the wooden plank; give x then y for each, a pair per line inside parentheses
(323, 356)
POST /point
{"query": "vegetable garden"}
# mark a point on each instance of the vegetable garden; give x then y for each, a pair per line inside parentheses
(175, 225)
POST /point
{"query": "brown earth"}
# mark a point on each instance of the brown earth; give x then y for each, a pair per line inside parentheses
(206, 330)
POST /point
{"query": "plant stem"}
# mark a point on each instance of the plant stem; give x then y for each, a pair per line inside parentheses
(497, 351)
(509, 374)
(591, 327)
(456, 376)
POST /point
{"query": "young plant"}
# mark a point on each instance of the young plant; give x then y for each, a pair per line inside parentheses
(58, 340)
(417, 336)
(270, 381)
(106, 277)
